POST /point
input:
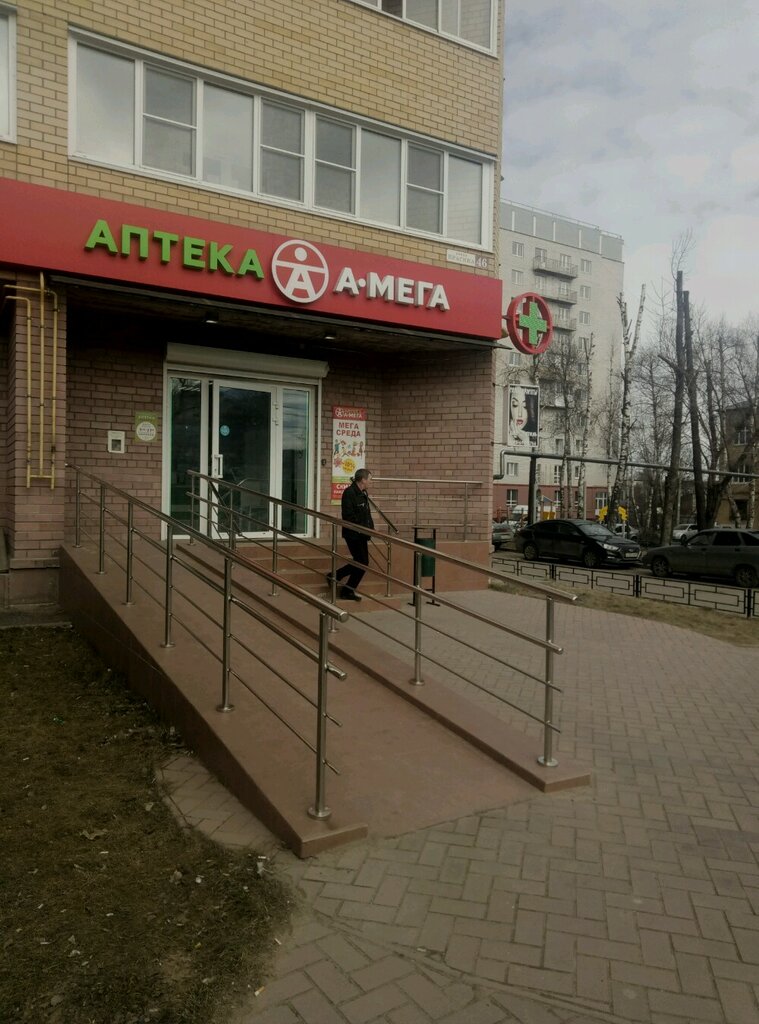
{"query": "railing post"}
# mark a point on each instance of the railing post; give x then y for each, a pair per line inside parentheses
(275, 559)
(226, 666)
(130, 552)
(417, 680)
(333, 579)
(466, 510)
(169, 586)
(416, 509)
(101, 532)
(388, 565)
(547, 759)
(232, 530)
(78, 513)
(320, 809)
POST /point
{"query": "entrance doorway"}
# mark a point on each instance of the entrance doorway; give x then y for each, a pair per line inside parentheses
(255, 434)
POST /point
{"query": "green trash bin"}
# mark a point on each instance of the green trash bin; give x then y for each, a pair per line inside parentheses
(427, 567)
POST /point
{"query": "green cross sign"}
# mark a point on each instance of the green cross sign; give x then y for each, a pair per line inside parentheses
(533, 323)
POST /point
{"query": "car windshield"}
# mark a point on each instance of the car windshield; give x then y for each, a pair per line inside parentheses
(595, 530)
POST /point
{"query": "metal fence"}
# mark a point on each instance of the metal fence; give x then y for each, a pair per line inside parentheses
(696, 593)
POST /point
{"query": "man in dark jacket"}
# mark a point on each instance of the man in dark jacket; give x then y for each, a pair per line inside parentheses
(355, 509)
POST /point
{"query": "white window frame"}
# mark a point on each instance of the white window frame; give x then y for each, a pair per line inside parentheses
(311, 110)
(584, 316)
(376, 7)
(586, 266)
(512, 469)
(517, 277)
(584, 291)
(9, 13)
(517, 249)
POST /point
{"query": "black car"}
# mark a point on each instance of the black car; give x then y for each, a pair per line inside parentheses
(579, 540)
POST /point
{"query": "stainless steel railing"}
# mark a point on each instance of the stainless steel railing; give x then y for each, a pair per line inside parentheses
(114, 506)
(268, 525)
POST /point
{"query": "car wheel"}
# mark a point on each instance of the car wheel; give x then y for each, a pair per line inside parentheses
(745, 576)
(660, 567)
(590, 558)
(531, 552)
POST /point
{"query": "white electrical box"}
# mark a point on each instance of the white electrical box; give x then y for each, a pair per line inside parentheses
(117, 441)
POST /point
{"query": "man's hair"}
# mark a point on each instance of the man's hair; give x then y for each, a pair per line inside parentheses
(361, 474)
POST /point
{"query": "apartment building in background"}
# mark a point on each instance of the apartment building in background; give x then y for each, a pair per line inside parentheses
(578, 269)
(228, 227)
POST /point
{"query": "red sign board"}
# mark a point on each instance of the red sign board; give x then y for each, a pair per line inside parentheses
(50, 229)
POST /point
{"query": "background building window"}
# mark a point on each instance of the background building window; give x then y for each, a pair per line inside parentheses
(541, 254)
(512, 497)
(584, 291)
(586, 266)
(517, 248)
(601, 501)
(517, 276)
(584, 317)
(515, 359)
(512, 469)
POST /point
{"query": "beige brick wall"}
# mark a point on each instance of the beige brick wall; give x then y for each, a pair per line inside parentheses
(331, 51)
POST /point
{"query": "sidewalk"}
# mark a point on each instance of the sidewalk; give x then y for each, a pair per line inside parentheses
(636, 899)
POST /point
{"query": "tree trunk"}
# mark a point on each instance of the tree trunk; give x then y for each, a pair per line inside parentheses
(698, 466)
(670, 483)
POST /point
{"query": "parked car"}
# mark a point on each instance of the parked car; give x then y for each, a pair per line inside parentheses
(576, 540)
(716, 552)
(684, 531)
(502, 533)
(626, 531)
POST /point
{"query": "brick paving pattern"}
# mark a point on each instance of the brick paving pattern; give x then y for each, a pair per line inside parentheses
(636, 899)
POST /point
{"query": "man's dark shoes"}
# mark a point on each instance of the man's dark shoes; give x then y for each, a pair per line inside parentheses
(349, 595)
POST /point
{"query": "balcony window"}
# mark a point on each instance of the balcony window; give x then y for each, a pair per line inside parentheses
(168, 140)
(541, 254)
(468, 21)
(282, 151)
(156, 117)
(335, 165)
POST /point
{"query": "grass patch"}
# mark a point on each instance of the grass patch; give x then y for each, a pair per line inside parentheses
(722, 625)
(112, 912)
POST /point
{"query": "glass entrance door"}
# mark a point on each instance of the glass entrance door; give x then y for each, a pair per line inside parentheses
(243, 433)
(257, 435)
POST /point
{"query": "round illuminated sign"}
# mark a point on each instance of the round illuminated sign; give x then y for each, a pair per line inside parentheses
(529, 323)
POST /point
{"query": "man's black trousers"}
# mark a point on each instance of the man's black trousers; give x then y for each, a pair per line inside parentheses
(358, 545)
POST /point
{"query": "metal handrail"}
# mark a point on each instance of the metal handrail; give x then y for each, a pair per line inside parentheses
(546, 643)
(418, 481)
(328, 612)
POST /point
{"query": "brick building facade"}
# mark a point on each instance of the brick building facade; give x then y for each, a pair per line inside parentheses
(229, 219)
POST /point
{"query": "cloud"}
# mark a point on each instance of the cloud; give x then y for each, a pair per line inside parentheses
(642, 118)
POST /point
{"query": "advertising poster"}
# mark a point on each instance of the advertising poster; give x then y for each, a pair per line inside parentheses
(523, 415)
(348, 446)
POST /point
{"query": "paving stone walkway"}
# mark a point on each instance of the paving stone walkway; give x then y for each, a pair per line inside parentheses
(636, 899)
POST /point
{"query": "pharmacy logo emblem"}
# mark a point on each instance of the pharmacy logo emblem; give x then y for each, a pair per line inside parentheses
(300, 271)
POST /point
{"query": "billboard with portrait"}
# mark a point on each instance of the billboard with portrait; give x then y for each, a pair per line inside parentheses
(522, 415)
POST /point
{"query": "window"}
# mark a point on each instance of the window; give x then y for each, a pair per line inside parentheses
(335, 166)
(468, 21)
(584, 291)
(159, 117)
(584, 317)
(168, 140)
(743, 434)
(7, 73)
(726, 538)
(565, 261)
(512, 469)
(586, 266)
(517, 276)
(601, 501)
(517, 248)
(541, 254)
(515, 359)
(576, 472)
(558, 445)
(512, 497)
(561, 314)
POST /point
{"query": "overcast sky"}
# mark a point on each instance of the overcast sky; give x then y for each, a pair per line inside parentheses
(642, 116)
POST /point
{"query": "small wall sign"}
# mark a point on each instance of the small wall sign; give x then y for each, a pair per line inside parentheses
(145, 427)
